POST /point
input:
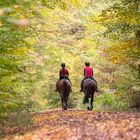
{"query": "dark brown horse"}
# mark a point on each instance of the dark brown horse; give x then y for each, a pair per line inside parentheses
(89, 88)
(64, 90)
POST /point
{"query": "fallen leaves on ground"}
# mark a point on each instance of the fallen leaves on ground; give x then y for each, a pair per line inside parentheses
(80, 125)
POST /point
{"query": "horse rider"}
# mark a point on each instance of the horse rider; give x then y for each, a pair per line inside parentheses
(63, 74)
(88, 73)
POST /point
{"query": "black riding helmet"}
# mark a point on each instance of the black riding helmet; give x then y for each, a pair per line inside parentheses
(87, 63)
(62, 65)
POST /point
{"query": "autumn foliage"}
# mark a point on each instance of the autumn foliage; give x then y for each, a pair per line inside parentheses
(36, 36)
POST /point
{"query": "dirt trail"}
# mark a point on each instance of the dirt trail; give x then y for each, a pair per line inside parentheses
(81, 125)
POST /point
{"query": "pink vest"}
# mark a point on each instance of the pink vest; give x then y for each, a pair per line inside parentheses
(88, 72)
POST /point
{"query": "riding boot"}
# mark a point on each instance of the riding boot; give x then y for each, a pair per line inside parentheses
(70, 83)
(97, 90)
(70, 87)
(56, 90)
(81, 88)
(82, 84)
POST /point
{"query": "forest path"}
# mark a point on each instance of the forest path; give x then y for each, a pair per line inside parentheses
(81, 125)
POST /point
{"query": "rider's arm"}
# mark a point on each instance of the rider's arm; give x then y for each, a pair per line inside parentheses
(84, 72)
(60, 73)
(67, 72)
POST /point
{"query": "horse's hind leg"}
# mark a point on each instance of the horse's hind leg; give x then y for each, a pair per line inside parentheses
(65, 104)
(86, 99)
(65, 107)
(62, 102)
(91, 103)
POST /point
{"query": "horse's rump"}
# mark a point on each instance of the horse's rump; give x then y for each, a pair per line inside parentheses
(89, 84)
(89, 87)
(64, 85)
(64, 90)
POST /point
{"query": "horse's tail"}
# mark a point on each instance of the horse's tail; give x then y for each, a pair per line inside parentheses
(64, 89)
(86, 100)
(90, 89)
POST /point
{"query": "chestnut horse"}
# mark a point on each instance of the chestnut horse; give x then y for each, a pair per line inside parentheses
(89, 88)
(64, 90)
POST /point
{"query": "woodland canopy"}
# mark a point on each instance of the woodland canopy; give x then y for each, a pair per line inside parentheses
(36, 36)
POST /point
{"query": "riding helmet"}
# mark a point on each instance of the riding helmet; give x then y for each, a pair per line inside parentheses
(87, 63)
(62, 64)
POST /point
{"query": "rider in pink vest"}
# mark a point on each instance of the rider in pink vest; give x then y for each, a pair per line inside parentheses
(88, 73)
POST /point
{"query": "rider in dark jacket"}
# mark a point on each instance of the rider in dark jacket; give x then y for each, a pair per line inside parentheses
(63, 74)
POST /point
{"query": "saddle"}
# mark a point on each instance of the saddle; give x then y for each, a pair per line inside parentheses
(88, 78)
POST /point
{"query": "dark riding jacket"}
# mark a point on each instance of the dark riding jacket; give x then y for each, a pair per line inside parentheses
(64, 73)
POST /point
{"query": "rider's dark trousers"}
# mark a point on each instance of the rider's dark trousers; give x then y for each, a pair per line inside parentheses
(62, 77)
(90, 78)
(66, 77)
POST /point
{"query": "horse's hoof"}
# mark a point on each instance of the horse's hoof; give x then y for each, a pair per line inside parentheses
(89, 108)
(65, 108)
